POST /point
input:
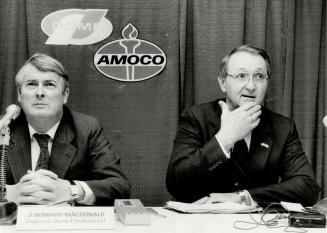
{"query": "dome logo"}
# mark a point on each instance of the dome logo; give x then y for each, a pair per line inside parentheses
(130, 59)
(76, 26)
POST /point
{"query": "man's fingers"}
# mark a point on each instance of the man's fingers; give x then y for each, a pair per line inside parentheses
(254, 109)
(256, 123)
(47, 173)
(43, 181)
(44, 195)
(203, 200)
(213, 200)
(256, 115)
(31, 200)
(248, 106)
(224, 107)
(46, 182)
(28, 189)
(29, 176)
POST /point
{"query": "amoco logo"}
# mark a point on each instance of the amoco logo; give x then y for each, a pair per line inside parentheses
(130, 59)
(76, 26)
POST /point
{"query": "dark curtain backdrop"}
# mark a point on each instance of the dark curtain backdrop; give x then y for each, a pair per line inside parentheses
(141, 118)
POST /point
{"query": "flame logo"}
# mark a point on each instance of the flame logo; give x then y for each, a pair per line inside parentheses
(130, 59)
(130, 32)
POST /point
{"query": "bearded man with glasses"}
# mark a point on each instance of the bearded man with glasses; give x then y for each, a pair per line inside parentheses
(235, 149)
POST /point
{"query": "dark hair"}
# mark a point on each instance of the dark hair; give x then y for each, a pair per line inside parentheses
(243, 48)
(43, 63)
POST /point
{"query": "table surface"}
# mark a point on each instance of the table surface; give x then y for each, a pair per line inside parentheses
(189, 223)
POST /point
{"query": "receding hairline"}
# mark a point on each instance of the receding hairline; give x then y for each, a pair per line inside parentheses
(244, 48)
(247, 52)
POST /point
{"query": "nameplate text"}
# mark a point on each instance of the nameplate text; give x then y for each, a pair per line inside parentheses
(64, 217)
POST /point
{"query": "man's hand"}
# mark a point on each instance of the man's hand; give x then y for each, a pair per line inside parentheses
(42, 187)
(219, 197)
(236, 124)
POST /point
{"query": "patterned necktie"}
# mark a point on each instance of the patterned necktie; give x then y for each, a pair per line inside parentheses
(240, 156)
(44, 156)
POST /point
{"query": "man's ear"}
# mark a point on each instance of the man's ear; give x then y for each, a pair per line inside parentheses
(66, 94)
(222, 83)
(18, 94)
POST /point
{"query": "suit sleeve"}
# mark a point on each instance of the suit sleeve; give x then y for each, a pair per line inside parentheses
(193, 158)
(297, 181)
(107, 181)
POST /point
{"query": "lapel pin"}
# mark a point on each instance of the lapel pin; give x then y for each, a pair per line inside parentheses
(264, 144)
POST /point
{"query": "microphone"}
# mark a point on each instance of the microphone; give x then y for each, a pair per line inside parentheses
(12, 111)
(324, 121)
(8, 210)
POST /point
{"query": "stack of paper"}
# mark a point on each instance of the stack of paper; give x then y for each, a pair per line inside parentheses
(292, 207)
(222, 208)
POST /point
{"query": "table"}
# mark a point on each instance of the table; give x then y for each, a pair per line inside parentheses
(185, 223)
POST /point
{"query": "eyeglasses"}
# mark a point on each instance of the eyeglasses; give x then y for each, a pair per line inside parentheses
(245, 77)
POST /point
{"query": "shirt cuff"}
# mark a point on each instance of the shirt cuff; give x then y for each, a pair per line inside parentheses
(252, 202)
(89, 198)
(11, 193)
(227, 154)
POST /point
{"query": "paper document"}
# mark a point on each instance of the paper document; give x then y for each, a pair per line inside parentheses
(294, 207)
(219, 208)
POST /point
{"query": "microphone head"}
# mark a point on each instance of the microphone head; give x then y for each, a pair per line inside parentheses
(14, 110)
(324, 121)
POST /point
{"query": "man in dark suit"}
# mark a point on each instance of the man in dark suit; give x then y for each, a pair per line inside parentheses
(55, 154)
(237, 150)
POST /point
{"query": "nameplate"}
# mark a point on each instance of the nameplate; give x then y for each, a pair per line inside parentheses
(64, 217)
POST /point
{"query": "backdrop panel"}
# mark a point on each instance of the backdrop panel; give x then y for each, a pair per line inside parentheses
(141, 117)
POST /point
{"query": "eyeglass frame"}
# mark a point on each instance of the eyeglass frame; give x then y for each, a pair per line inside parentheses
(255, 80)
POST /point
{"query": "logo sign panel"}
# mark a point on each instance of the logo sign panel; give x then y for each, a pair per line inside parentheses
(76, 26)
(130, 59)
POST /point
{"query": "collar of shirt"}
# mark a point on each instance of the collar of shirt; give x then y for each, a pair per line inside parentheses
(51, 132)
(247, 140)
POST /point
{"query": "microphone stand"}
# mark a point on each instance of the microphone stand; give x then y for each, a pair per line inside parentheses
(8, 210)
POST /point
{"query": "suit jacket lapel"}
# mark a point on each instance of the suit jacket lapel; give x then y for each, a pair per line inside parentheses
(214, 120)
(19, 152)
(62, 152)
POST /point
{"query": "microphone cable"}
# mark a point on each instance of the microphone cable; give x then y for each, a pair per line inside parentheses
(267, 221)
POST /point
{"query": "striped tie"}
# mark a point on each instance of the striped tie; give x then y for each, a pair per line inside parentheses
(44, 157)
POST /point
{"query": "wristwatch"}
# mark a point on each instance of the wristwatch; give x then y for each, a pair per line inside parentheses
(73, 190)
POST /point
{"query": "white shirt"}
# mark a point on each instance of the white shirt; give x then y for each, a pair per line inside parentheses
(89, 197)
(247, 140)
